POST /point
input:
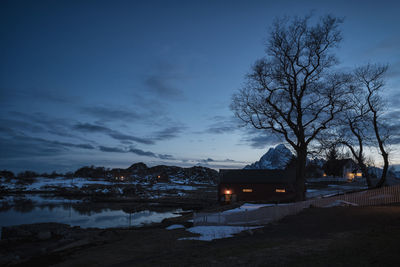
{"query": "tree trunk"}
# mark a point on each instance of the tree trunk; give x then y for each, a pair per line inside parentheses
(301, 174)
(364, 170)
(384, 171)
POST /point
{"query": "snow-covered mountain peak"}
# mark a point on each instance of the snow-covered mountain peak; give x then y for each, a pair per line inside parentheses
(275, 158)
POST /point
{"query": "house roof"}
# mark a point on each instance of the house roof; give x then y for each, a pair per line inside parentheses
(256, 176)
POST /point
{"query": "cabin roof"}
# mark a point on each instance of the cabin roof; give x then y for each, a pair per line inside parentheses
(256, 176)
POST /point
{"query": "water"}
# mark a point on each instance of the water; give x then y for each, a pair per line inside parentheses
(37, 209)
(104, 219)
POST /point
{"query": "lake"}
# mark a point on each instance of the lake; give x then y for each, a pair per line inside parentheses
(36, 209)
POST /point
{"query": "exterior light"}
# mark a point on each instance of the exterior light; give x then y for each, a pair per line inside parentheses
(228, 192)
(158, 176)
(280, 190)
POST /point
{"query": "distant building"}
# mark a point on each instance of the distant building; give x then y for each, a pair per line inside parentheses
(351, 170)
(162, 177)
(346, 169)
(121, 174)
(256, 185)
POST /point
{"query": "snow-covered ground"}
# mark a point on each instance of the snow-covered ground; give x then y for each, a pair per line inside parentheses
(43, 182)
(49, 184)
(250, 206)
(333, 189)
(208, 233)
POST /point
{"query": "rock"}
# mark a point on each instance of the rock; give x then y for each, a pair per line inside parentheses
(44, 235)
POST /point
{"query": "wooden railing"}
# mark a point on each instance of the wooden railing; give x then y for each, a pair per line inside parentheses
(264, 215)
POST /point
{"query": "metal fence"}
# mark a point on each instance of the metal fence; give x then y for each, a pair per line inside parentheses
(264, 215)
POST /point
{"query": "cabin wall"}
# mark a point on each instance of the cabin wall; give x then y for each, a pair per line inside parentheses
(255, 192)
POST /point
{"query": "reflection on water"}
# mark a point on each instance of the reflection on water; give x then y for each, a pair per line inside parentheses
(19, 210)
(103, 219)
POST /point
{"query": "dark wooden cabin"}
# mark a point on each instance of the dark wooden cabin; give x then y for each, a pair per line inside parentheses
(256, 185)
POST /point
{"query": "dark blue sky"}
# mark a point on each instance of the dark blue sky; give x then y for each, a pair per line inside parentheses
(115, 82)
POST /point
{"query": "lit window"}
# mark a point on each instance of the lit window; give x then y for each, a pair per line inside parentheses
(247, 190)
(279, 190)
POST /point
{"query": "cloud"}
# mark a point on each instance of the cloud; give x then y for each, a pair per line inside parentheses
(39, 122)
(222, 125)
(165, 156)
(13, 95)
(93, 128)
(124, 137)
(260, 139)
(112, 149)
(161, 82)
(384, 47)
(135, 151)
(159, 85)
(107, 113)
(207, 160)
(87, 127)
(168, 133)
(142, 153)
(165, 134)
(21, 146)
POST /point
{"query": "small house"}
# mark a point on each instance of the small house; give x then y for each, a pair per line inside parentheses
(256, 185)
(351, 170)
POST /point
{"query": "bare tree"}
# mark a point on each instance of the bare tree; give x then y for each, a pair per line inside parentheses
(294, 91)
(360, 125)
(351, 129)
(371, 80)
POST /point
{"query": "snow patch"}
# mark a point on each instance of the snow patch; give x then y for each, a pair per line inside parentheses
(340, 203)
(249, 206)
(208, 233)
(175, 226)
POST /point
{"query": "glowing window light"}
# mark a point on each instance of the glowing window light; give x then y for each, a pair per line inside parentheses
(359, 174)
(279, 190)
(247, 190)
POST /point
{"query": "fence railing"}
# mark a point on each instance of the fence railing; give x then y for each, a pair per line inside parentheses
(264, 215)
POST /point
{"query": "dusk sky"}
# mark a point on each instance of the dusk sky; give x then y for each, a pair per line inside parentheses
(110, 83)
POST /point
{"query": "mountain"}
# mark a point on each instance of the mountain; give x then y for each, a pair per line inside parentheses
(275, 158)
